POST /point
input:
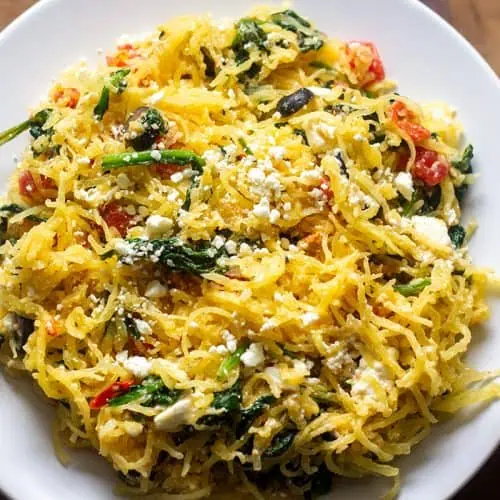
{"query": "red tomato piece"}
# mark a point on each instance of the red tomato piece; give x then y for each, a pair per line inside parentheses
(67, 96)
(29, 188)
(110, 392)
(430, 167)
(403, 118)
(116, 216)
(165, 170)
(121, 58)
(376, 70)
(325, 188)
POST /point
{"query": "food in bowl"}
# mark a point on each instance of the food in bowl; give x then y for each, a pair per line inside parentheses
(232, 257)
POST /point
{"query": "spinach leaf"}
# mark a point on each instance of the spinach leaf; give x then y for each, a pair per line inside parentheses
(228, 400)
(430, 196)
(319, 65)
(290, 104)
(308, 38)
(144, 127)
(19, 329)
(231, 362)
(116, 83)
(152, 392)
(209, 63)
(457, 235)
(412, 288)
(464, 165)
(248, 34)
(280, 443)
(250, 414)
(14, 208)
(132, 329)
(197, 259)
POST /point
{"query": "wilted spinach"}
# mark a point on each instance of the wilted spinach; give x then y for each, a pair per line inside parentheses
(308, 38)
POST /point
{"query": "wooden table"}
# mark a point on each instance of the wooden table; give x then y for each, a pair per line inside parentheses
(479, 21)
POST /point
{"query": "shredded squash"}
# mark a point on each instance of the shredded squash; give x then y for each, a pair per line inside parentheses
(232, 256)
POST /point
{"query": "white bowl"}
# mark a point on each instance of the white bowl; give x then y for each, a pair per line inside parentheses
(429, 59)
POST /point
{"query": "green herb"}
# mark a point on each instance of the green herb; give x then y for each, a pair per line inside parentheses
(319, 65)
(290, 104)
(412, 288)
(102, 104)
(431, 198)
(187, 202)
(116, 83)
(231, 362)
(146, 158)
(209, 63)
(228, 400)
(464, 165)
(244, 145)
(35, 125)
(301, 133)
(248, 33)
(14, 208)
(250, 414)
(280, 443)
(287, 352)
(457, 235)
(151, 125)
(195, 259)
(308, 38)
(151, 392)
(132, 329)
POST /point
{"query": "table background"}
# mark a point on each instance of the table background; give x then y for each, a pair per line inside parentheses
(479, 21)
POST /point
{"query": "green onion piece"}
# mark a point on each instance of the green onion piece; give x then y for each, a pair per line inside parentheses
(175, 156)
(231, 362)
(102, 105)
(412, 288)
(13, 132)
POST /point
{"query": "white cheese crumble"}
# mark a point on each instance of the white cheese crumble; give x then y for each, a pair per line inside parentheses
(319, 91)
(431, 229)
(403, 182)
(277, 152)
(143, 327)
(309, 318)
(177, 177)
(156, 155)
(253, 356)
(138, 365)
(158, 96)
(175, 416)
(230, 340)
(155, 290)
(156, 225)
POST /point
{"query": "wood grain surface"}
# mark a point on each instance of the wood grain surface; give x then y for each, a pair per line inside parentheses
(479, 21)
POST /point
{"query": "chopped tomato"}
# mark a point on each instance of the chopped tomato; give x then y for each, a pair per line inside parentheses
(116, 216)
(165, 170)
(404, 119)
(66, 96)
(325, 188)
(430, 167)
(110, 392)
(403, 158)
(121, 59)
(52, 328)
(33, 188)
(365, 58)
